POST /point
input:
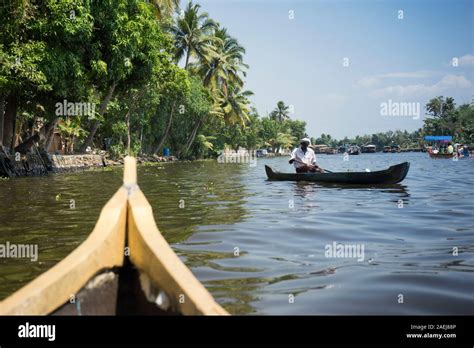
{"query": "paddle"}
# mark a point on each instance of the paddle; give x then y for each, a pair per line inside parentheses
(296, 160)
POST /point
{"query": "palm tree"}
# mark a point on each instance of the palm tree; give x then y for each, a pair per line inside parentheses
(71, 130)
(281, 112)
(192, 32)
(165, 8)
(220, 66)
(283, 140)
(286, 140)
(232, 106)
(222, 62)
(235, 105)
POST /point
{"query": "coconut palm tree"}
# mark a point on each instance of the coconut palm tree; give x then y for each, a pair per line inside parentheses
(232, 106)
(222, 63)
(165, 7)
(235, 105)
(192, 32)
(71, 130)
(281, 112)
(283, 140)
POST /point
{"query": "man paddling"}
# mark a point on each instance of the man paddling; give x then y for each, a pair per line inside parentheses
(304, 159)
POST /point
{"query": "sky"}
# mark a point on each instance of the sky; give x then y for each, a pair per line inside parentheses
(337, 62)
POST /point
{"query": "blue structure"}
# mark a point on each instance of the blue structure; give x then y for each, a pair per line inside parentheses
(438, 138)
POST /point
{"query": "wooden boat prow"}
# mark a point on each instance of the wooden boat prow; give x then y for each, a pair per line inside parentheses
(159, 262)
(125, 266)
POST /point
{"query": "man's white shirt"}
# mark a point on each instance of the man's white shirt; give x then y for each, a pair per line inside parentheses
(307, 157)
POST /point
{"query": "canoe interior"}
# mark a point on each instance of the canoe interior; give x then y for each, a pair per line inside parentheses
(392, 175)
(115, 291)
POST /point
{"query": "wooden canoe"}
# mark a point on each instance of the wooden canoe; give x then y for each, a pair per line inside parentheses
(125, 267)
(442, 155)
(392, 175)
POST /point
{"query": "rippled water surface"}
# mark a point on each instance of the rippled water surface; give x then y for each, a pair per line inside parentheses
(280, 231)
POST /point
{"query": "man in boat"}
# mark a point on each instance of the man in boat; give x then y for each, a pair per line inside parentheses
(450, 149)
(465, 151)
(304, 159)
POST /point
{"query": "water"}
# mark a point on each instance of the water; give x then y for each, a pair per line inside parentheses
(280, 231)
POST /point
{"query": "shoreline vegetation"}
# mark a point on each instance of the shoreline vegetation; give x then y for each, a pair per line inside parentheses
(132, 77)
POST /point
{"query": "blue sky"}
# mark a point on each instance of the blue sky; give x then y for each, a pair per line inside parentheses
(300, 60)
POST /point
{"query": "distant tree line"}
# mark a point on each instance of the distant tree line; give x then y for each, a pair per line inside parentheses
(443, 118)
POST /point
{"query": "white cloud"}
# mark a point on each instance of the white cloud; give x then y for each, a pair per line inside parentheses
(422, 90)
(372, 81)
(466, 60)
(368, 81)
(410, 74)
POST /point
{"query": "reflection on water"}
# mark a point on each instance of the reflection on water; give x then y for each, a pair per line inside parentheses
(256, 243)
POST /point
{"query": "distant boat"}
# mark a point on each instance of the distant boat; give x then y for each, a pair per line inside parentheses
(437, 140)
(392, 148)
(396, 148)
(320, 148)
(442, 155)
(331, 151)
(369, 148)
(353, 150)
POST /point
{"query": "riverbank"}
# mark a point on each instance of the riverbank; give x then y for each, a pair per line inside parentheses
(41, 164)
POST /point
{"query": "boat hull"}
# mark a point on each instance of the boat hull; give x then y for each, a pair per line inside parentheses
(392, 175)
(441, 155)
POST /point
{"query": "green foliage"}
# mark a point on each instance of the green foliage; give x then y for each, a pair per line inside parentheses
(258, 133)
(123, 56)
(192, 32)
(71, 130)
(448, 119)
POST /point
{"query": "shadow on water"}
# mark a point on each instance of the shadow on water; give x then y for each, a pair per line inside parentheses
(305, 189)
(390, 188)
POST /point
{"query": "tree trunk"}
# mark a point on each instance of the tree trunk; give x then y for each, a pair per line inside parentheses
(141, 139)
(188, 53)
(33, 126)
(9, 121)
(127, 118)
(49, 134)
(27, 145)
(167, 130)
(18, 137)
(95, 127)
(131, 109)
(13, 143)
(2, 114)
(193, 135)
